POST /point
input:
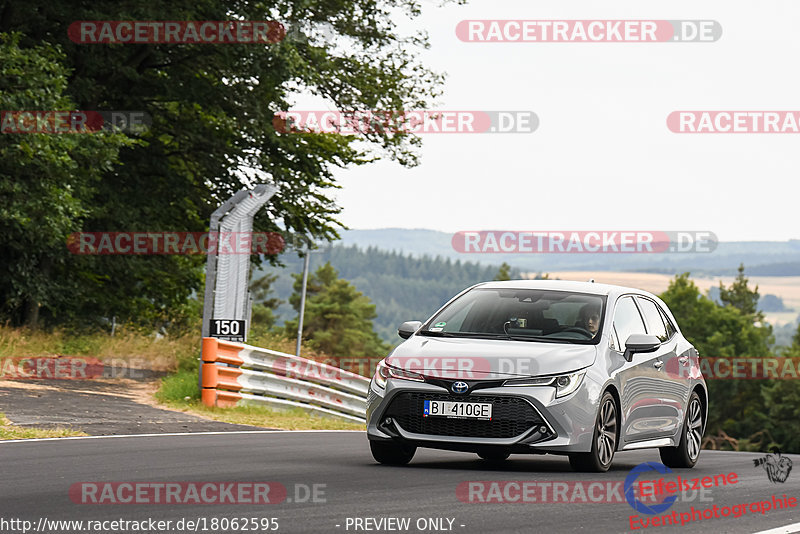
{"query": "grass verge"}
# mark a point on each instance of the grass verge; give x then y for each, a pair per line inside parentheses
(8, 430)
(295, 419)
(141, 351)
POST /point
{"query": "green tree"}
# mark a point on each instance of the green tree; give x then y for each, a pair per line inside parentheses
(264, 305)
(338, 317)
(782, 404)
(735, 406)
(46, 185)
(740, 296)
(212, 109)
(504, 273)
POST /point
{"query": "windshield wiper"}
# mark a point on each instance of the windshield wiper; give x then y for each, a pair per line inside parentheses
(531, 338)
(546, 339)
(470, 335)
(435, 334)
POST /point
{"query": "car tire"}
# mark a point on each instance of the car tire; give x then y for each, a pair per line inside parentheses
(391, 453)
(686, 454)
(604, 439)
(494, 456)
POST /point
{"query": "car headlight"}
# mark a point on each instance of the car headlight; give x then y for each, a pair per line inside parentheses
(384, 371)
(564, 384)
(381, 375)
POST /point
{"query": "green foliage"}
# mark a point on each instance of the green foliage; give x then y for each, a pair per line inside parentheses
(402, 287)
(504, 273)
(178, 386)
(740, 296)
(338, 317)
(736, 406)
(782, 404)
(46, 185)
(212, 109)
(264, 305)
(718, 331)
(781, 401)
(261, 289)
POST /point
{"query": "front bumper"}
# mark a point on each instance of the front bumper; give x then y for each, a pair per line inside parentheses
(525, 419)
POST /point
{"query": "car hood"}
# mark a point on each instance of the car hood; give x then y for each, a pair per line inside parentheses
(488, 358)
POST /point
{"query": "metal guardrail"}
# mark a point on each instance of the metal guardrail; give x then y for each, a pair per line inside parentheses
(235, 373)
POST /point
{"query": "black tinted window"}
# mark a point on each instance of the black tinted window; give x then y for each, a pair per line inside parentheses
(652, 317)
(521, 313)
(627, 320)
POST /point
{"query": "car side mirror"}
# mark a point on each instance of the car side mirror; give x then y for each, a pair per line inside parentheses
(640, 343)
(408, 328)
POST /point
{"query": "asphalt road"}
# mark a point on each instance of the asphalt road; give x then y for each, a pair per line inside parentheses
(37, 476)
(95, 407)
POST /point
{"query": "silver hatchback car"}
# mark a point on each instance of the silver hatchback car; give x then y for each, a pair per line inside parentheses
(541, 366)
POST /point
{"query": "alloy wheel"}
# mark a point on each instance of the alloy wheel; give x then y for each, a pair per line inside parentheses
(607, 432)
(694, 432)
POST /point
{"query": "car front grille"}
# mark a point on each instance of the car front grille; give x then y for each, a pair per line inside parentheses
(511, 416)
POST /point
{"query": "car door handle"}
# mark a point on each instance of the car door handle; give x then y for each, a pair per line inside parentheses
(658, 364)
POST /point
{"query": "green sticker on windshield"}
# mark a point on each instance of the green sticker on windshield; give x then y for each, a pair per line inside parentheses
(439, 325)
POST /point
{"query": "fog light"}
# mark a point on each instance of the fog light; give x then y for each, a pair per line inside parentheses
(542, 429)
(388, 421)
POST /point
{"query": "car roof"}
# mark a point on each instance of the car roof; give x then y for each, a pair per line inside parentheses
(566, 285)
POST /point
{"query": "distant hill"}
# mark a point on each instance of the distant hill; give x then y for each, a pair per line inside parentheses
(765, 258)
(408, 274)
(402, 287)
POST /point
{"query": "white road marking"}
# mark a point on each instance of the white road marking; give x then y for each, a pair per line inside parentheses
(788, 529)
(174, 434)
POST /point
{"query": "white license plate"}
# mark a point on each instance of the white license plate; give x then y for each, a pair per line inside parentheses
(461, 410)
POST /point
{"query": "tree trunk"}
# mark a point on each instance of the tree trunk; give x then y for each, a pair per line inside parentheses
(31, 313)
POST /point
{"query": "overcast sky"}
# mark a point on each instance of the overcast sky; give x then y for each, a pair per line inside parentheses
(602, 157)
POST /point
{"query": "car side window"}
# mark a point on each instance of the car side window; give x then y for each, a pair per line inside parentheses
(652, 318)
(627, 320)
(671, 330)
(614, 340)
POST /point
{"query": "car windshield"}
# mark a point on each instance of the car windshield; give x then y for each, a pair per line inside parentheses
(521, 314)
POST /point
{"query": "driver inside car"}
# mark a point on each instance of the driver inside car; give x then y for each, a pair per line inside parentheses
(590, 320)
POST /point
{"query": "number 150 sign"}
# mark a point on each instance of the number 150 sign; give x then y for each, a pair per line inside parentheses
(229, 329)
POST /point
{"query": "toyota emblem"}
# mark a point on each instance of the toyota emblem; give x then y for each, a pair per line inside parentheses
(459, 387)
